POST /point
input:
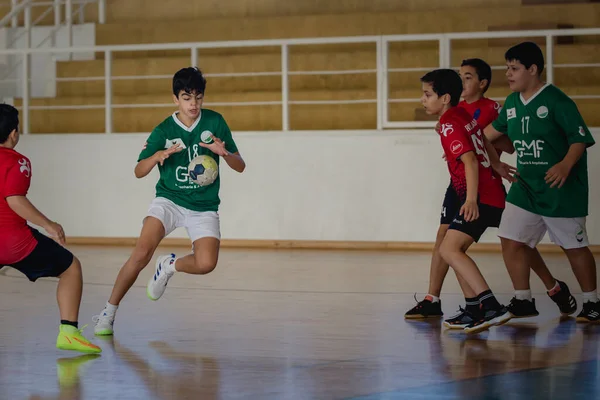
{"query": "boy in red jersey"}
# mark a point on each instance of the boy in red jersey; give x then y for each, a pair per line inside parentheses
(479, 191)
(28, 251)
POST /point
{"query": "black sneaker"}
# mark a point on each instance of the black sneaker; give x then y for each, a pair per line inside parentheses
(564, 299)
(460, 320)
(425, 309)
(489, 318)
(590, 312)
(522, 308)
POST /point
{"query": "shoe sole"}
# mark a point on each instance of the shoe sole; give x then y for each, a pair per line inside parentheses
(498, 321)
(586, 321)
(455, 327)
(524, 316)
(80, 350)
(422, 316)
(104, 333)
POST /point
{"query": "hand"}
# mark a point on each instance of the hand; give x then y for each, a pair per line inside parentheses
(558, 174)
(217, 146)
(437, 127)
(56, 232)
(470, 210)
(162, 155)
(506, 171)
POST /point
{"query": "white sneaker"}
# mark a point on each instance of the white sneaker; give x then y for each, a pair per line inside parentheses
(104, 324)
(158, 282)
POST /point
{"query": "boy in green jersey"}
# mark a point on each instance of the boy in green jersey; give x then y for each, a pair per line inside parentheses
(551, 193)
(173, 144)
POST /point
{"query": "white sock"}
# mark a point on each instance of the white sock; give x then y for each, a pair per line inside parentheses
(170, 267)
(110, 309)
(434, 299)
(591, 297)
(556, 287)
(523, 294)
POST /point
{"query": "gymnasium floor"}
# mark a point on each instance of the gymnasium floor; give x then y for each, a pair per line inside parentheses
(291, 325)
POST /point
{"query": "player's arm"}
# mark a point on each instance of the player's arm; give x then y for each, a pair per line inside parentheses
(24, 209)
(235, 161)
(470, 210)
(569, 119)
(146, 165)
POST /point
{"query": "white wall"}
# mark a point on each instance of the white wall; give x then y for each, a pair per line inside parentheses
(366, 186)
(43, 66)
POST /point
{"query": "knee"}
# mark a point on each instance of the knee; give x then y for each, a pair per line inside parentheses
(74, 269)
(447, 252)
(511, 246)
(141, 256)
(204, 266)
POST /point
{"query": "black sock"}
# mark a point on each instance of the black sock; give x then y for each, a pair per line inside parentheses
(472, 305)
(65, 322)
(488, 300)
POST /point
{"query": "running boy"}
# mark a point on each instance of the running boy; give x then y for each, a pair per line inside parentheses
(477, 189)
(179, 202)
(551, 193)
(27, 250)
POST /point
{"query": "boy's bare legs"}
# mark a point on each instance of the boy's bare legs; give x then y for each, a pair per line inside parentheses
(203, 260)
(439, 267)
(539, 267)
(152, 233)
(68, 292)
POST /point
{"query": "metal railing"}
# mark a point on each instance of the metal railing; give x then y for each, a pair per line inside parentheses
(382, 71)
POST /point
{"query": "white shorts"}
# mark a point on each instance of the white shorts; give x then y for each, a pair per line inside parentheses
(198, 224)
(526, 227)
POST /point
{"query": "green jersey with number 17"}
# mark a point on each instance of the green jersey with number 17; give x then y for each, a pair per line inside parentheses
(542, 129)
(174, 183)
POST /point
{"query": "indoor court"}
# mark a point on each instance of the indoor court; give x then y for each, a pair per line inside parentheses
(292, 324)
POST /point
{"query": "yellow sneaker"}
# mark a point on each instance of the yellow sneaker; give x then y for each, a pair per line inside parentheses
(70, 338)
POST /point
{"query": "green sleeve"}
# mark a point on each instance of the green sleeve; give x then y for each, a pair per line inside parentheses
(567, 116)
(225, 136)
(155, 142)
(501, 123)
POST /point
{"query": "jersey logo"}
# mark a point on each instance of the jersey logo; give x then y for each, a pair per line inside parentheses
(511, 113)
(581, 131)
(456, 147)
(206, 137)
(497, 106)
(25, 167)
(174, 142)
(446, 129)
(542, 112)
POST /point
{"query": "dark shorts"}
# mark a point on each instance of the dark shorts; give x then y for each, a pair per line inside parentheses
(48, 259)
(450, 206)
(489, 217)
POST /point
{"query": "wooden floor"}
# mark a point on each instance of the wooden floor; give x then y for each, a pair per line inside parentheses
(291, 325)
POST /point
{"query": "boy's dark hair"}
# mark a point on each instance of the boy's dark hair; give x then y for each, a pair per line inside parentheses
(528, 54)
(9, 121)
(189, 80)
(445, 81)
(483, 70)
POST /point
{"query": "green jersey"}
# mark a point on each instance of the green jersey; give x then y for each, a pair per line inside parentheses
(175, 183)
(542, 129)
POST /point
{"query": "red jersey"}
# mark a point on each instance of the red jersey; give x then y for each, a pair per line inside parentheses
(16, 238)
(460, 134)
(484, 110)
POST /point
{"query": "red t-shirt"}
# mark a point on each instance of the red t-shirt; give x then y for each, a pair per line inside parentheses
(460, 134)
(484, 110)
(16, 238)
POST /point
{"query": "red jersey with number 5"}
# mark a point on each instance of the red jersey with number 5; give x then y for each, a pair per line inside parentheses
(16, 238)
(460, 134)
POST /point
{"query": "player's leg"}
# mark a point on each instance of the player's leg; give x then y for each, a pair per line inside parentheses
(570, 234)
(205, 232)
(520, 230)
(49, 259)
(459, 238)
(431, 305)
(470, 313)
(557, 290)
(163, 218)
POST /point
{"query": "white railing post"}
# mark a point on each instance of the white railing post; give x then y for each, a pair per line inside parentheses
(445, 59)
(550, 59)
(28, 26)
(385, 95)
(14, 22)
(69, 24)
(102, 11)
(25, 94)
(194, 56)
(379, 91)
(285, 89)
(108, 118)
(57, 20)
